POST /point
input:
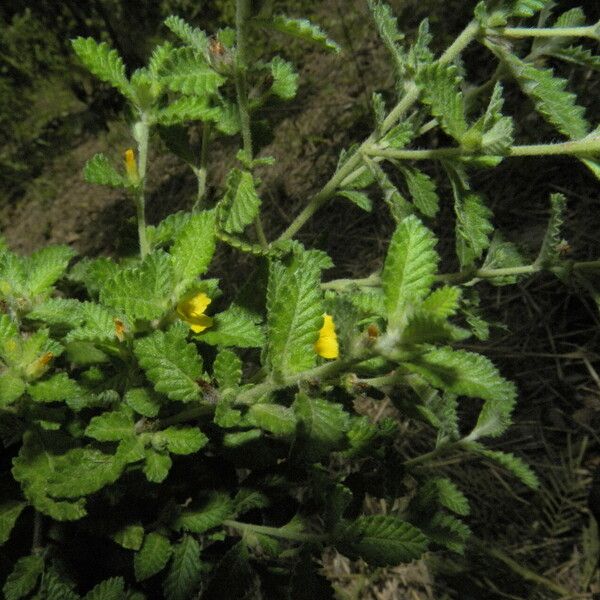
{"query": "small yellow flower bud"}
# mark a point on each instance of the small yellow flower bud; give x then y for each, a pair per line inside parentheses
(131, 166)
(119, 329)
(327, 345)
(191, 310)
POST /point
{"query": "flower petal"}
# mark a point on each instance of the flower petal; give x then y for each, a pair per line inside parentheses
(327, 345)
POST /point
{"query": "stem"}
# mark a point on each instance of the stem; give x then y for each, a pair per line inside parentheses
(242, 15)
(142, 133)
(327, 370)
(190, 414)
(411, 95)
(588, 146)
(467, 274)
(374, 280)
(418, 460)
(278, 532)
(37, 538)
(547, 32)
(202, 171)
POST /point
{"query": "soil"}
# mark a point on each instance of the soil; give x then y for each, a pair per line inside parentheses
(550, 347)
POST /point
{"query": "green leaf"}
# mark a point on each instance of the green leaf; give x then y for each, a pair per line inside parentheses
(579, 56)
(168, 229)
(53, 588)
(399, 207)
(141, 292)
(299, 28)
(502, 254)
(228, 120)
(180, 440)
(102, 61)
(111, 426)
(97, 324)
(440, 88)
(424, 328)
(525, 8)
(227, 369)
(184, 574)
(171, 363)
(473, 224)
(369, 303)
(382, 540)
(442, 302)
(285, 78)
(212, 512)
(93, 273)
(294, 316)
(398, 136)
(549, 251)
(8, 332)
(192, 36)
(387, 27)
(109, 589)
(9, 513)
(247, 499)
(143, 401)
(274, 418)
(129, 537)
(468, 374)
(158, 58)
(12, 387)
(240, 203)
(187, 108)
(99, 170)
(549, 94)
(511, 463)
(409, 268)
(499, 138)
(194, 247)
(153, 556)
(322, 426)
(23, 577)
(423, 191)
(45, 267)
(359, 198)
(187, 72)
(65, 312)
(157, 465)
(58, 388)
(448, 531)
(450, 497)
(235, 326)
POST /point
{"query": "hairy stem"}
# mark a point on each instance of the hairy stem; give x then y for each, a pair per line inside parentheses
(547, 32)
(374, 280)
(142, 134)
(278, 532)
(428, 456)
(201, 172)
(37, 537)
(589, 146)
(326, 371)
(242, 15)
(411, 95)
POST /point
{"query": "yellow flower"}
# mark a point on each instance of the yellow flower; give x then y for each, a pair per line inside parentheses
(327, 344)
(131, 166)
(191, 310)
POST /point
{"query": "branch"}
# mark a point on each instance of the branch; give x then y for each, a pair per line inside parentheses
(411, 95)
(586, 147)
